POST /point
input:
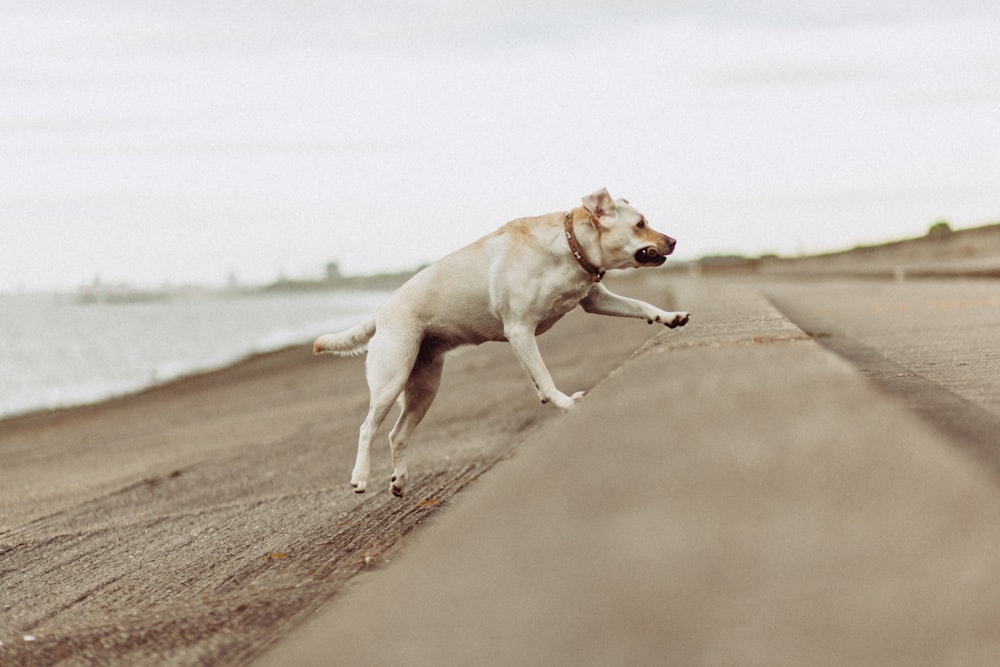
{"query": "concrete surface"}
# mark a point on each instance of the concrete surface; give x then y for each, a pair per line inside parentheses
(933, 345)
(735, 496)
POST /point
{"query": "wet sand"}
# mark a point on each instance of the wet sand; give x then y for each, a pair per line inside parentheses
(197, 522)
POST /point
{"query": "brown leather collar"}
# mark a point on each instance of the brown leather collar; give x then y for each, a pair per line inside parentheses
(596, 272)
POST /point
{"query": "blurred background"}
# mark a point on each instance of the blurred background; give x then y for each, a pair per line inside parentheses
(166, 143)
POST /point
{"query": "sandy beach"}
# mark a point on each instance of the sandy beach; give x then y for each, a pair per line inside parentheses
(198, 521)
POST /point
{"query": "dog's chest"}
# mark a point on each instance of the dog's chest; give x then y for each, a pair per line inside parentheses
(559, 300)
(559, 305)
(563, 303)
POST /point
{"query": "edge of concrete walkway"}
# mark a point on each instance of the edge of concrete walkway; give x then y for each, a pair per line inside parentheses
(733, 494)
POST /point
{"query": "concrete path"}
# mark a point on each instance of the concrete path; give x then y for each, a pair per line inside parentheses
(934, 345)
(737, 495)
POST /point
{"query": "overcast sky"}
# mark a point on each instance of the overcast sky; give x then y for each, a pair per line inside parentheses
(184, 141)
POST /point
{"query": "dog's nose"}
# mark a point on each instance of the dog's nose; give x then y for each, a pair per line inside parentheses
(670, 243)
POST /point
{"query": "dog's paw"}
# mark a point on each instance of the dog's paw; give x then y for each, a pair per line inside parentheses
(566, 403)
(680, 320)
(359, 476)
(671, 320)
(397, 485)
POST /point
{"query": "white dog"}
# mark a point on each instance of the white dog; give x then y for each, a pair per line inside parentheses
(508, 286)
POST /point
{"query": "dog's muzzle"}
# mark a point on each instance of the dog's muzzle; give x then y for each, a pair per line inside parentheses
(656, 254)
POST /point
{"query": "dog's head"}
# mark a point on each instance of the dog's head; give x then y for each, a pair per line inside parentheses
(627, 240)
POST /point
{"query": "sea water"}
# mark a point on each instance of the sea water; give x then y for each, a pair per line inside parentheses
(57, 351)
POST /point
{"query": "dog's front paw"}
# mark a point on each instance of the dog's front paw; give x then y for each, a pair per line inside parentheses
(566, 403)
(671, 320)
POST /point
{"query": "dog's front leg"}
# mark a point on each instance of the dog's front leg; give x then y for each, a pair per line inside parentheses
(602, 301)
(522, 339)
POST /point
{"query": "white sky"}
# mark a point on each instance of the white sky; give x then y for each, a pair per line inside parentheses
(179, 141)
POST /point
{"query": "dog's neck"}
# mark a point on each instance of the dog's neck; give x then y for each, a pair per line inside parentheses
(596, 272)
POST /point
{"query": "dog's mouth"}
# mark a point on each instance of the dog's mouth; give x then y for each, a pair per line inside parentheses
(650, 255)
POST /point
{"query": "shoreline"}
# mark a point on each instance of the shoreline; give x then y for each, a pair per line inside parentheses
(66, 355)
(43, 413)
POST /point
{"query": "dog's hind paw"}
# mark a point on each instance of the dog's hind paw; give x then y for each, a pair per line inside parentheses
(397, 486)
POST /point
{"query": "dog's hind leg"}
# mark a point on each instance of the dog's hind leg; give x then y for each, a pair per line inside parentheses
(419, 393)
(390, 359)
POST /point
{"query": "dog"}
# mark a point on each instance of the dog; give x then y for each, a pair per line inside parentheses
(511, 285)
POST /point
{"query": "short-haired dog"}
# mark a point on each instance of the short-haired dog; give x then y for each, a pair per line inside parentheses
(510, 285)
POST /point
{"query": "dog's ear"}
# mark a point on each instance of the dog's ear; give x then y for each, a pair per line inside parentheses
(599, 203)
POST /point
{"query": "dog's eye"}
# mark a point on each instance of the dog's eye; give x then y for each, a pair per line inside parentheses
(641, 224)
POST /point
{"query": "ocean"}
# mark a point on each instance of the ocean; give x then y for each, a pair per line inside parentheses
(57, 351)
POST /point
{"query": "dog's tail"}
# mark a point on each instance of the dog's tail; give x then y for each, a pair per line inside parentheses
(348, 343)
